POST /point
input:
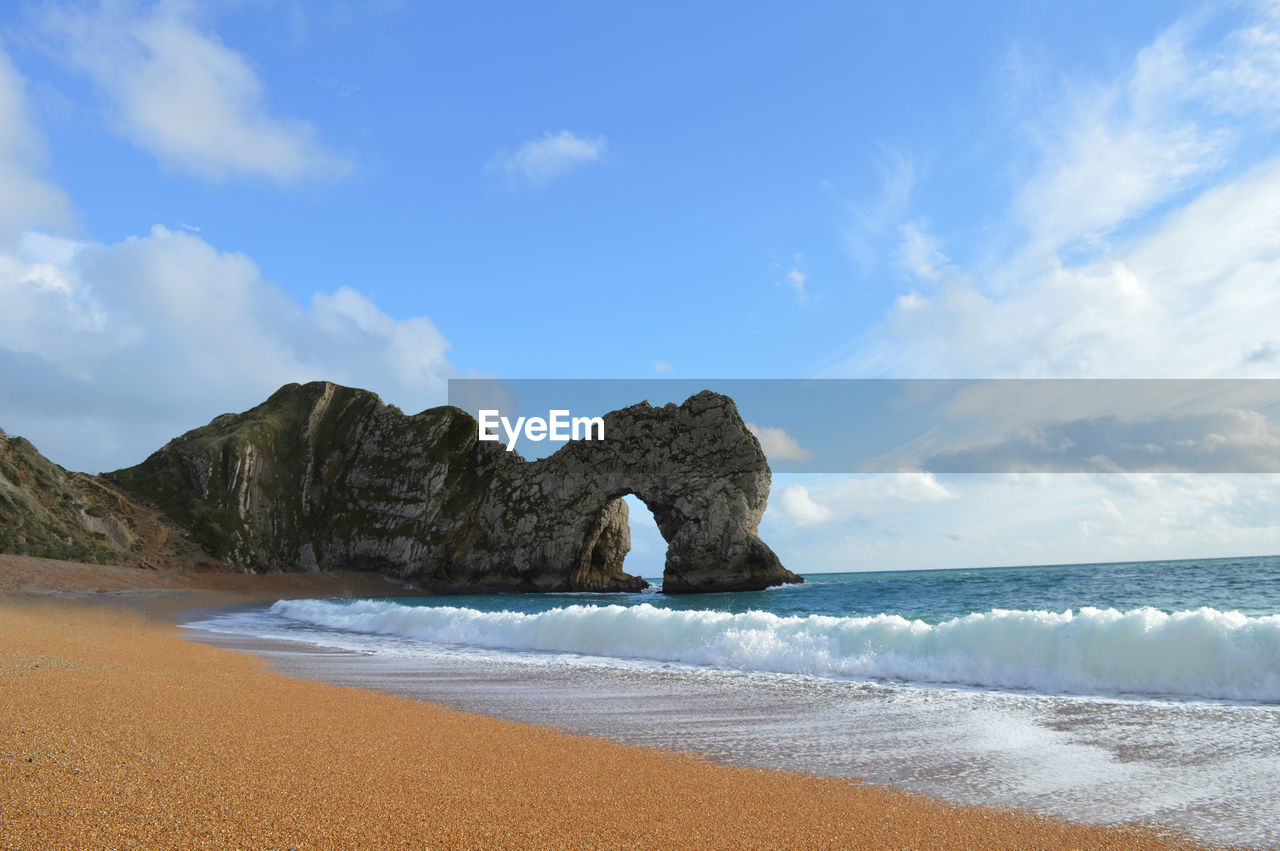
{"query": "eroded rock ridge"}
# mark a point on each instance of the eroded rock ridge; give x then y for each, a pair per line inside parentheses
(323, 477)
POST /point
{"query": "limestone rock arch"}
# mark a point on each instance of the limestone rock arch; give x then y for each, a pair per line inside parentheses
(701, 473)
(323, 477)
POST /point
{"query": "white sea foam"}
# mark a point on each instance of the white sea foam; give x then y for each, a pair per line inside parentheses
(1200, 653)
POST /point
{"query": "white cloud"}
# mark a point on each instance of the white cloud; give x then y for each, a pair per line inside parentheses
(1144, 243)
(663, 366)
(25, 199)
(848, 498)
(916, 487)
(541, 160)
(800, 507)
(778, 445)
(176, 91)
(1195, 297)
(1011, 520)
(1215, 514)
(110, 350)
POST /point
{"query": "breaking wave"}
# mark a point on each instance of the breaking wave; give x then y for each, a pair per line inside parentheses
(1203, 653)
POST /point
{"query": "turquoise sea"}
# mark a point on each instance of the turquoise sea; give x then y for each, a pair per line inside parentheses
(1101, 692)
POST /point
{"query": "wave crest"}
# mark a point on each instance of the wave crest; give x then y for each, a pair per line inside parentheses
(1199, 653)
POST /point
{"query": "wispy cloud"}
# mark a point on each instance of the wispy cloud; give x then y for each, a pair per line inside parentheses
(175, 90)
(339, 88)
(27, 198)
(870, 218)
(1232, 440)
(540, 161)
(918, 253)
(796, 277)
(1113, 150)
(1144, 242)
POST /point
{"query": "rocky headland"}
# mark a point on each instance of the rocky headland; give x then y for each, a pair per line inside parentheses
(322, 477)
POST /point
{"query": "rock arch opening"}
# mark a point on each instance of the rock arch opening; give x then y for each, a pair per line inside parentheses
(699, 471)
(626, 546)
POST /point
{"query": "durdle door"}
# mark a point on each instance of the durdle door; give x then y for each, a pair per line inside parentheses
(322, 477)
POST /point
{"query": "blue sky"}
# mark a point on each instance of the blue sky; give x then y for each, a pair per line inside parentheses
(199, 202)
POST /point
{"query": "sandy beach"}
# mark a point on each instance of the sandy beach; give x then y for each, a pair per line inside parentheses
(117, 732)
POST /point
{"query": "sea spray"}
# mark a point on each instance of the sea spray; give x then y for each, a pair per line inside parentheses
(1204, 653)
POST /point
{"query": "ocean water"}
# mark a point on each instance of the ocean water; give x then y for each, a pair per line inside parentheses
(1121, 692)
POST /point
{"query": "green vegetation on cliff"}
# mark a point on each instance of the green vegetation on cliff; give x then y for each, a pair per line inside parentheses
(49, 512)
(316, 477)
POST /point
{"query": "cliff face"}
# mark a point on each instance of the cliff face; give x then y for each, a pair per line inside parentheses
(321, 477)
(49, 512)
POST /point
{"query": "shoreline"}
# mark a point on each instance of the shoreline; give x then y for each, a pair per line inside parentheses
(116, 729)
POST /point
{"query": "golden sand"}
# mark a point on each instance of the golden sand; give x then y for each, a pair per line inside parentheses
(117, 732)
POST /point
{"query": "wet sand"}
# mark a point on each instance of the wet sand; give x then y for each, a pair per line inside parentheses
(117, 732)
